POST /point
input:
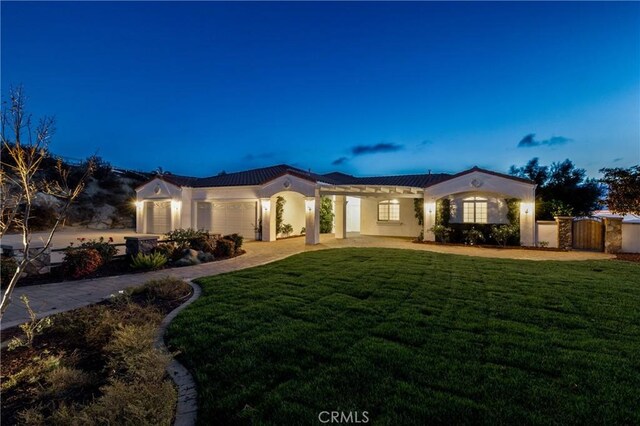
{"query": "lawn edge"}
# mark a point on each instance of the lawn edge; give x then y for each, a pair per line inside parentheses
(187, 406)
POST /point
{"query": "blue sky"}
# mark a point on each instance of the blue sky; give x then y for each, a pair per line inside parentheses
(364, 88)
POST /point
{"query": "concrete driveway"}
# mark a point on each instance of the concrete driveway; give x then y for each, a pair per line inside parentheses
(49, 299)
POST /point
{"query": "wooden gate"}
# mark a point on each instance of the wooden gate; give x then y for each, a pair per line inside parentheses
(588, 234)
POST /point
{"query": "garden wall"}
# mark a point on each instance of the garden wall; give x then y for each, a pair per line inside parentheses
(547, 230)
(630, 237)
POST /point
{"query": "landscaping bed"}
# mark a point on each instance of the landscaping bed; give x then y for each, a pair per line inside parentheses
(96, 258)
(95, 365)
(415, 337)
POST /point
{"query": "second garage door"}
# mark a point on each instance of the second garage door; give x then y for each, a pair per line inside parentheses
(239, 217)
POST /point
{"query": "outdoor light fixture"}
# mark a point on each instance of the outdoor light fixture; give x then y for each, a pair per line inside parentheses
(266, 205)
(138, 204)
(526, 208)
(175, 204)
(310, 204)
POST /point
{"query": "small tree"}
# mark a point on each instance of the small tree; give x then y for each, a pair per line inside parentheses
(24, 149)
(623, 194)
(418, 208)
(326, 215)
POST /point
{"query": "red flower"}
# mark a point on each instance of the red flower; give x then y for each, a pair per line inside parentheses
(110, 239)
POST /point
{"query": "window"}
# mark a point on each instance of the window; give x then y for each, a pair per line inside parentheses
(474, 210)
(389, 210)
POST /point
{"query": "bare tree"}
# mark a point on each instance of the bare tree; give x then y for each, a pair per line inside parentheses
(24, 149)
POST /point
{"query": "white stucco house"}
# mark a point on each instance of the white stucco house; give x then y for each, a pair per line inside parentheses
(378, 205)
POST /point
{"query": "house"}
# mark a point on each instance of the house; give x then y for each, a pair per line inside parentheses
(245, 202)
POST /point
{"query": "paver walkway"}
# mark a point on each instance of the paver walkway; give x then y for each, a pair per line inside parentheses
(48, 299)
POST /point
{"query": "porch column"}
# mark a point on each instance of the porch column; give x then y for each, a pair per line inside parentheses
(429, 218)
(528, 222)
(341, 216)
(268, 206)
(612, 234)
(312, 217)
(140, 222)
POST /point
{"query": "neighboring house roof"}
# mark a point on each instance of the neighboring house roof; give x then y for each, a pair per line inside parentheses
(626, 218)
(266, 174)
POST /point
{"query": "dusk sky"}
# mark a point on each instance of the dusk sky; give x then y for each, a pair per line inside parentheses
(363, 88)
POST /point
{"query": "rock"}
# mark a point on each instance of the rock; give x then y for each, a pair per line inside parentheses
(102, 218)
(205, 257)
(189, 257)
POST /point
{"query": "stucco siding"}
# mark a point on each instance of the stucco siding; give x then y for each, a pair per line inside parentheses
(631, 237)
(406, 227)
(497, 208)
(294, 212)
(547, 231)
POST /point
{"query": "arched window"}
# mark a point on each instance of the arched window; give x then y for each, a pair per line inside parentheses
(389, 210)
(474, 210)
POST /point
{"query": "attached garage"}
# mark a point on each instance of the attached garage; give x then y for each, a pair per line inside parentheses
(158, 217)
(203, 216)
(234, 217)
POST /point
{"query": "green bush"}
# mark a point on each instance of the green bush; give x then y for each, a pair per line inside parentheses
(225, 248)
(8, 266)
(151, 261)
(441, 232)
(105, 248)
(237, 239)
(190, 238)
(326, 215)
(287, 229)
(473, 236)
(502, 233)
(80, 262)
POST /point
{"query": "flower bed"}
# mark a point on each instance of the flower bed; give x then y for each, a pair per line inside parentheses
(95, 364)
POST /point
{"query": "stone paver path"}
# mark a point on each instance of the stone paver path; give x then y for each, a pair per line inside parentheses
(48, 299)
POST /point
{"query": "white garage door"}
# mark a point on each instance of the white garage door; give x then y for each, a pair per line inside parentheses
(158, 217)
(230, 218)
(203, 216)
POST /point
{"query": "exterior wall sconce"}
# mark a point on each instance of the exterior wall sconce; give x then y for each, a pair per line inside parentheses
(175, 204)
(266, 205)
(309, 205)
(138, 204)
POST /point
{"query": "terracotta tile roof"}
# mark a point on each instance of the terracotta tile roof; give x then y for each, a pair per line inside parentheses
(266, 174)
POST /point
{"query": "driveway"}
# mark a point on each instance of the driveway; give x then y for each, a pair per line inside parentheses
(49, 299)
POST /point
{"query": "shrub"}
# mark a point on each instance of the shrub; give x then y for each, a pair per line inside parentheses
(189, 238)
(106, 250)
(543, 244)
(31, 328)
(151, 261)
(502, 233)
(441, 232)
(168, 250)
(225, 248)
(287, 229)
(326, 215)
(168, 288)
(80, 262)
(8, 268)
(303, 231)
(473, 236)
(237, 239)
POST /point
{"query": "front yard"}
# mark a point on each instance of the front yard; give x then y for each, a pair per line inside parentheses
(416, 337)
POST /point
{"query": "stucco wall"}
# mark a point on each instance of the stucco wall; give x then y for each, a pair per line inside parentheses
(630, 237)
(497, 208)
(294, 213)
(547, 230)
(406, 227)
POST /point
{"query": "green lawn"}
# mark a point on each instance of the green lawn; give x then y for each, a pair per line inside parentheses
(415, 337)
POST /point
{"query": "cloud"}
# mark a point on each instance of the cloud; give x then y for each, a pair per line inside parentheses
(617, 160)
(375, 149)
(425, 142)
(529, 141)
(339, 161)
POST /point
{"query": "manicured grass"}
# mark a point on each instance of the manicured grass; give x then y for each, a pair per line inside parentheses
(416, 337)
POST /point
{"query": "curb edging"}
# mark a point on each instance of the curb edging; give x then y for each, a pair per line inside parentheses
(187, 407)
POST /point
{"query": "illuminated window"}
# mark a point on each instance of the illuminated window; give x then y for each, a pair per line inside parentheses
(474, 210)
(389, 210)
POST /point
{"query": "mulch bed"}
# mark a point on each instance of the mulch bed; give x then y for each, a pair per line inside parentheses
(489, 246)
(118, 266)
(62, 340)
(629, 257)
